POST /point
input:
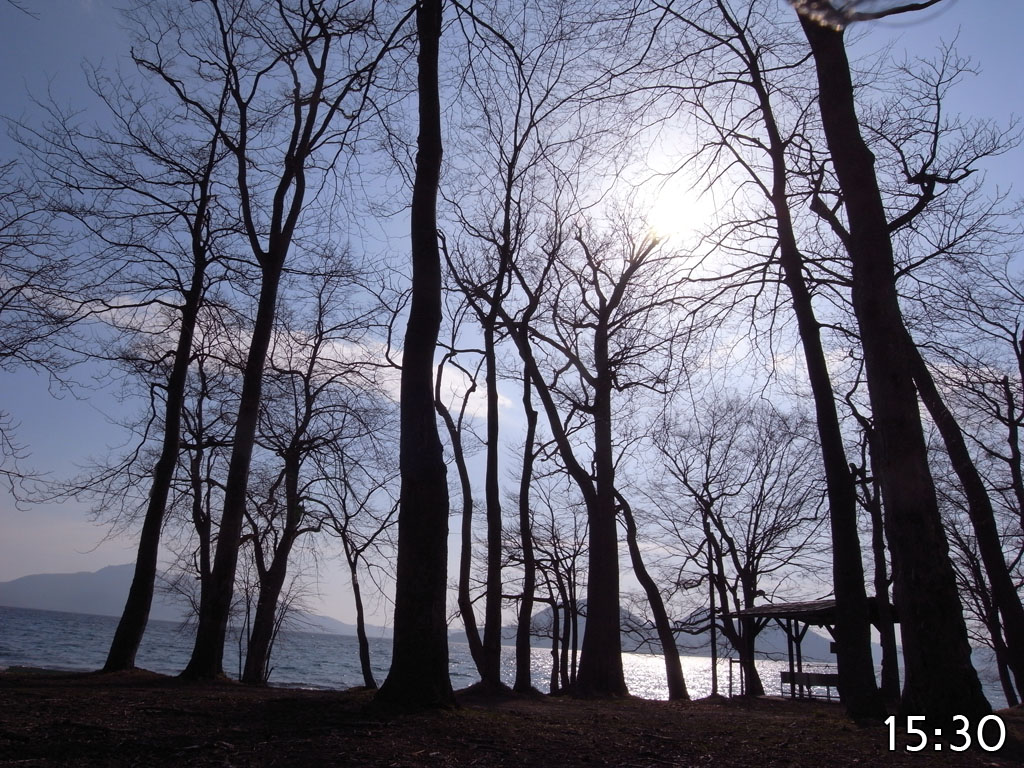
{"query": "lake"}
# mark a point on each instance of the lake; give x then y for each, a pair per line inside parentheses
(72, 641)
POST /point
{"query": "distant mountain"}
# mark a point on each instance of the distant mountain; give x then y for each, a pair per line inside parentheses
(103, 593)
(300, 621)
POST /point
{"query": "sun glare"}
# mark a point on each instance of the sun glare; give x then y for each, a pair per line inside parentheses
(678, 212)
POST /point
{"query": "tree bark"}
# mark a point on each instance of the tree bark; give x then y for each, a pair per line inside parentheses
(491, 668)
(940, 681)
(979, 510)
(673, 666)
(523, 682)
(600, 671)
(419, 664)
(857, 686)
(132, 626)
(207, 661)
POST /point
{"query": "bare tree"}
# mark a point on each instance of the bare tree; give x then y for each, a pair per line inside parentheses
(36, 305)
(612, 323)
(940, 680)
(260, 49)
(361, 506)
(523, 680)
(870, 498)
(519, 99)
(457, 428)
(145, 192)
(766, 145)
(419, 661)
(747, 473)
(315, 398)
(559, 540)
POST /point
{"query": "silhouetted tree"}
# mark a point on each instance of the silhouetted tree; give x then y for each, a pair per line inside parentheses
(37, 303)
(768, 142)
(747, 476)
(257, 48)
(361, 505)
(516, 97)
(609, 326)
(662, 624)
(315, 398)
(523, 680)
(146, 195)
(456, 426)
(419, 661)
(939, 678)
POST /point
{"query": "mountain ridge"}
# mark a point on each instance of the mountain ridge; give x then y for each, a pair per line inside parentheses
(103, 593)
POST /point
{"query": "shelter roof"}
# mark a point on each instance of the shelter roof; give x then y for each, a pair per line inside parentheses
(816, 612)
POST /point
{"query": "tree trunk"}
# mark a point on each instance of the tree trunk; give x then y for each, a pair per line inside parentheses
(603, 675)
(739, 632)
(132, 625)
(272, 581)
(465, 600)
(982, 515)
(207, 660)
(201, 514)
(940, 681)
(523, 682)
(1003, 669)
(364, 643)
(1002, 665)
(748, 639)
(1013, 440)
(857, 686)
(573, 637)
(673, 666)
(890, 686)
(264, 622)
(419, 663)
(853, 627)
(568, 619)
(556, 665)
(491, 668)
(600, 671)
(568, 668)
(990, 615)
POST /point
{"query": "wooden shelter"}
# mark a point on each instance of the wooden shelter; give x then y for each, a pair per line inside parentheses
(795, 619)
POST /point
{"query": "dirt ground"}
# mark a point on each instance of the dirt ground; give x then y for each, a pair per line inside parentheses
(144, 719)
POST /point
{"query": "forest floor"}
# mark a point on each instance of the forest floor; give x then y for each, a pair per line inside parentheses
(140, 718)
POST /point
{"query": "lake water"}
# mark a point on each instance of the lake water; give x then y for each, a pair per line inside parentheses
(72, 641)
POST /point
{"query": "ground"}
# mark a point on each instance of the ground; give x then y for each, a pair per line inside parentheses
(49, 719)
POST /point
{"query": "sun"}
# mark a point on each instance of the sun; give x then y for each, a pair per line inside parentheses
(678, 212)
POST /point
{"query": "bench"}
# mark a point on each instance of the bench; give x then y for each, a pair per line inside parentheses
(826, 680)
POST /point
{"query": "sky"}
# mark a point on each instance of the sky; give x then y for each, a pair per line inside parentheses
(44, 53)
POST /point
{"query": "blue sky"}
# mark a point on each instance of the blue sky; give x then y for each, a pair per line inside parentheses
(46, 54)
(38, 55)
